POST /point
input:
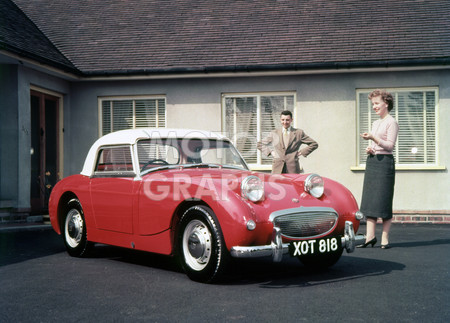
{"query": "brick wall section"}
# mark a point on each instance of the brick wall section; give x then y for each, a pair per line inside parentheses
(434, 217)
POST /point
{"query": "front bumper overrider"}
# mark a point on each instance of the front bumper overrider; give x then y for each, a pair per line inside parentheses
(277, 248)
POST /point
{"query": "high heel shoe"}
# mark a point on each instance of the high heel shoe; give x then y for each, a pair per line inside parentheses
(371, 242)
(385, 246)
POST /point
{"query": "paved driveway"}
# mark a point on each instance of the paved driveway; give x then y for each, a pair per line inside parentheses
(408, 283)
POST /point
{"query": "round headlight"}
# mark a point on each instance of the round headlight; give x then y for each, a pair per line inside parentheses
(314, 185)
(252, 188)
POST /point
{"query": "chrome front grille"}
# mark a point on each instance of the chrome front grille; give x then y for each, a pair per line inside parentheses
(305, 222)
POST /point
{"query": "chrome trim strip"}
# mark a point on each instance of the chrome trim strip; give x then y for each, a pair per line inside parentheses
(276, 249)
(254, 251)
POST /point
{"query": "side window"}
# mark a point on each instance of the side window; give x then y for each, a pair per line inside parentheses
(114, 160)
(154, 153)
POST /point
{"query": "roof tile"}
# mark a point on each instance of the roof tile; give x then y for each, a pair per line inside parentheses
(115, 36)
(19, 35)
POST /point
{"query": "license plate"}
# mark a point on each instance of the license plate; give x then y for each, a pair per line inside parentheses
(314, 247)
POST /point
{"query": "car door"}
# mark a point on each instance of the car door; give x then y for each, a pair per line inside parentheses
(112, 188)
(156, 200)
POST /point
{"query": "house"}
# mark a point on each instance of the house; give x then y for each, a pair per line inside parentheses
(71, 71)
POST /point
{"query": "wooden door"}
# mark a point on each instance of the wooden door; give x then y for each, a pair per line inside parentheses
(44, 149)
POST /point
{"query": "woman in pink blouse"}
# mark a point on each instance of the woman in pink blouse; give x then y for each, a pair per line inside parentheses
(379, 177)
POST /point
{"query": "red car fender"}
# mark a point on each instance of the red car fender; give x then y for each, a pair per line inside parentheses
(166, 192)
(233, 215)
(75, 186)
(343, 202)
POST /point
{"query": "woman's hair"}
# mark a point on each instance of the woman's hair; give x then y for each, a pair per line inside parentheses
(385, 96)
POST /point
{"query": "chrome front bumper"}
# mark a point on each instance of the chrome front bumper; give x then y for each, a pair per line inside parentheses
(277, 248)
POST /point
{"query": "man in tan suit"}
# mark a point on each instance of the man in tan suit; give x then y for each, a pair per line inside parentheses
(284, 146)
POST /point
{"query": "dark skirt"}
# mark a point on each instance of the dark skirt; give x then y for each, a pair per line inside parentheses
(378, 189)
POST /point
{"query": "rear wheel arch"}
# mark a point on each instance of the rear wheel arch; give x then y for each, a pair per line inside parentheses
(74, 230)
(63, 208)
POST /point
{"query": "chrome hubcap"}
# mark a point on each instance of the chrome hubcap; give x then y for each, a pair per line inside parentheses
(197, 245)
(73, 228)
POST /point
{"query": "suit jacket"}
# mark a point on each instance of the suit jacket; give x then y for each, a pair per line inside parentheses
(273, 145)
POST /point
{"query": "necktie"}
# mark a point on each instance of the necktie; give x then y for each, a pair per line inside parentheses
(285, 138)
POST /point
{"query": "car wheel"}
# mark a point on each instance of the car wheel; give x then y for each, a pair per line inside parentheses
(321, 261)
(74, 230)
(201, 247)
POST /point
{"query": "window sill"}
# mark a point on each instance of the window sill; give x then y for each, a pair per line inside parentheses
(404, 167)
(260, 168)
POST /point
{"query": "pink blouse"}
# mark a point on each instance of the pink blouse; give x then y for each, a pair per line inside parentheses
(387, 130)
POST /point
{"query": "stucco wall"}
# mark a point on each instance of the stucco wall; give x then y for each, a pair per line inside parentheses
(326, 110)
(330, 103)
(8, 138)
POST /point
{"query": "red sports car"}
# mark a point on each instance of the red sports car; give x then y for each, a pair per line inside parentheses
(190, 194)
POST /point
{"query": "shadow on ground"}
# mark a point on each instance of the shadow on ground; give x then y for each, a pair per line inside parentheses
(22, 246)
(288, 273)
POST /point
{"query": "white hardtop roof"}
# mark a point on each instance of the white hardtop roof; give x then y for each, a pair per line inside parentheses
(131, 136)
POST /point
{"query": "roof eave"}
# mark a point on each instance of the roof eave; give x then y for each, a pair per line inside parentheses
(35, 60)
(272, 69)
(74, 74)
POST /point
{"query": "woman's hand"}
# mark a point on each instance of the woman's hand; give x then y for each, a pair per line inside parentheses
(366, 136)
(370, 151)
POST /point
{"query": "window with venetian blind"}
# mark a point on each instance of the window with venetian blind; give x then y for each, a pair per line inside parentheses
(249, 118)
(121, 114)
(416, 113)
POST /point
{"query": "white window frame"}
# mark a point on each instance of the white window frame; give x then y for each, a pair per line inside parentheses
(133, 99)
(403, 166)
(258, 165)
